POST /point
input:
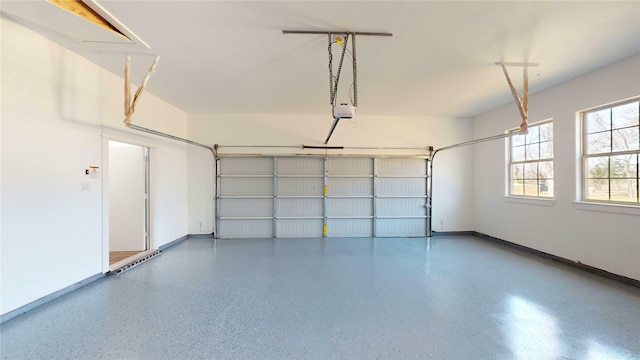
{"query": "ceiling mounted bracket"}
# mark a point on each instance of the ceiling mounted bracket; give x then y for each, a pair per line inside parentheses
(339, 32)
(523, 104)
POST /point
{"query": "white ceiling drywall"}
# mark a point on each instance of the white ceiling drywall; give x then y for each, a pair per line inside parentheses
(230, 57)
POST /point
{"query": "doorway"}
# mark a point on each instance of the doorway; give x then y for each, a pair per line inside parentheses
(128, 201)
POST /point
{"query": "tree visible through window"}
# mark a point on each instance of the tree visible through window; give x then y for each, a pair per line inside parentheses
(531, 162)
(611, 151)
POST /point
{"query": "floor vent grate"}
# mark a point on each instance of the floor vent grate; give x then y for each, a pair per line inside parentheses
(135, 263)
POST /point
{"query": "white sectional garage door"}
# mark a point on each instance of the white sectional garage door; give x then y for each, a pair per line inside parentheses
(264, 196)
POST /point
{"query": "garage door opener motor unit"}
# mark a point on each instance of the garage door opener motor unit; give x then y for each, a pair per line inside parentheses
(343, 111)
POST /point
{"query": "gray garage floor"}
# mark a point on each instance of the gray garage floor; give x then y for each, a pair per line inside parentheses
(449, 297)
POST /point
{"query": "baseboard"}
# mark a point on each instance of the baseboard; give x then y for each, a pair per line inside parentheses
(446, 233)
(45, 299)
(574, 264)
(173, 243)
(201, 236)
(189, 236)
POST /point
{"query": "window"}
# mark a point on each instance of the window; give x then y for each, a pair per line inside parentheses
(611, 148)
(531, 162)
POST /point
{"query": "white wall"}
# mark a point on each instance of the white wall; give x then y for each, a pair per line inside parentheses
(126, 197)
(58, 110)
(589, 234)
(452, 182)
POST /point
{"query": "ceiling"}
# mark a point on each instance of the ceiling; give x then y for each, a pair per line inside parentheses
(231, 57)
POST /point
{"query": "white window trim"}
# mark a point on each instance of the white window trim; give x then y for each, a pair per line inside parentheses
(530, 200)
(607, 207)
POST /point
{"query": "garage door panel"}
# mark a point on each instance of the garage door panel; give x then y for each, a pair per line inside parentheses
(300, 166)
(300, 186)
(349, 207)
(349, 227)
(238, 186)
(299, 207)
(238, 229)
(299, 228)
(247, 166)
(401, 227)
(401, 186)
(251, 187)
(350, 186)
(401, 207)
(350, 166)
(401, 166)
(246, 207)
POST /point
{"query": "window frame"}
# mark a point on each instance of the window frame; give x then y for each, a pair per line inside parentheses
(585, 156)
(509, 176)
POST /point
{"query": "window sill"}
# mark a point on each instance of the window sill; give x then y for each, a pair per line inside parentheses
(530, 200)
(610, 208)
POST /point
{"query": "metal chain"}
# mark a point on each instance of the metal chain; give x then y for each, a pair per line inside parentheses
(355, 70)
(335, 86)
(330, 70)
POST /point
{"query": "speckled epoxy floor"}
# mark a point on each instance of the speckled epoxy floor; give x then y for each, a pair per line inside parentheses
(449, 297)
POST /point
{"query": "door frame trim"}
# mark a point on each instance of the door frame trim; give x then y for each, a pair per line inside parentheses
(148, 167)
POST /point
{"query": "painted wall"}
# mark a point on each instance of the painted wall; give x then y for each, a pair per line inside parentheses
(57, 112)
(452, 182)
(592, 234)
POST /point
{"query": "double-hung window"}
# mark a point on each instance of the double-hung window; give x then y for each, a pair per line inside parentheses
(610, 153)
(531, 161)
